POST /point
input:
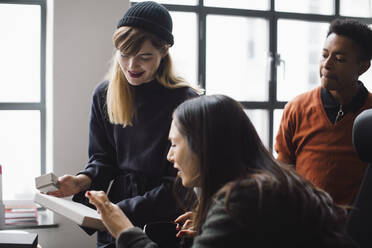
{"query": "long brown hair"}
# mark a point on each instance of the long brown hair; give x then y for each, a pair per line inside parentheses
(119, 101)
(226, 143)
(285, 209)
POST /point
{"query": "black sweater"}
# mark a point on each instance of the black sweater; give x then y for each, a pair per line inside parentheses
(135, 156)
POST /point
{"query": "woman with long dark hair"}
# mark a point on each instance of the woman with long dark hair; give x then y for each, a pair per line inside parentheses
(244, 195)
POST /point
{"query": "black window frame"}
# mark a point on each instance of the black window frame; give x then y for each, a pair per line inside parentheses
(39, 106)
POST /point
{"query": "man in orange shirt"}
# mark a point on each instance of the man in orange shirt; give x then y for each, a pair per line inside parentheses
(315, 134)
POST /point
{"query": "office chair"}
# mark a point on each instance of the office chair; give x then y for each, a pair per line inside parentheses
(359, 224)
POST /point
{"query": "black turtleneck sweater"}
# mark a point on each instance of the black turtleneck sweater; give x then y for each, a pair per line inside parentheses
(135, 156)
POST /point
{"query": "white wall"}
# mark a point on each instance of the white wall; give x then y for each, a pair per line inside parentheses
(79, 50)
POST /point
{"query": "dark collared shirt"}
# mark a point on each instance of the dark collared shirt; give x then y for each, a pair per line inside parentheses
(332, 107)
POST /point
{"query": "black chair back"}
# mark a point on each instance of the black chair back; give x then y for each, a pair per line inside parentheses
(360, 217)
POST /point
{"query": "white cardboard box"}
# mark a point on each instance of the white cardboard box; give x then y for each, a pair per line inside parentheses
(77, 212)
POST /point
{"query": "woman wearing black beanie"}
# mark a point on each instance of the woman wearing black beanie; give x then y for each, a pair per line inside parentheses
(131, 114)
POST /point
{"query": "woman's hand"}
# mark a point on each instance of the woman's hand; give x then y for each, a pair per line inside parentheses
(70, 185)
(112, 216)
(187, 230)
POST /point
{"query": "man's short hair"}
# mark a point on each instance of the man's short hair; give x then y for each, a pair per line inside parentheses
(357, 31)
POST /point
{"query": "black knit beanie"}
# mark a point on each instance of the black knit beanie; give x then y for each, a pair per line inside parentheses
(152, 17)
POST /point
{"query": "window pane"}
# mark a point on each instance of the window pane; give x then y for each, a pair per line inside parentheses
(19, 152)
(324, 7)
(299, 70)
(20, 53)
(360, 8)
(239, 4)
(237, 62)
(184, 51)
(260, 120)
(178, 2)
(366, 78)
(277, 118)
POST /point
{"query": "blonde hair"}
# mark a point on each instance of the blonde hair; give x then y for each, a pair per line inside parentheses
(120, 105)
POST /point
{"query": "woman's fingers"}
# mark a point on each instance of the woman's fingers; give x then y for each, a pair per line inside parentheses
(61, 192)
(112, 216)
(99, 200)
(67, 186)
(183, 217)
(186, 233)
(188, 224)
(55, 193)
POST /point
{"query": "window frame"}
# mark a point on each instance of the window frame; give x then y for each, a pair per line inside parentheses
(272, 16)
(39, 106)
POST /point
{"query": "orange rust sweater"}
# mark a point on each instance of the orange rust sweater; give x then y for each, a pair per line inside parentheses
(321, 151)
